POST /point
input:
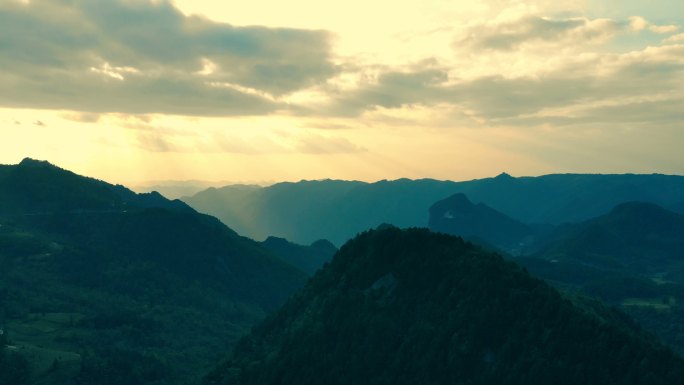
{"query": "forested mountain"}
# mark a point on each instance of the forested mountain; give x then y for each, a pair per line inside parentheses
(35, 187)
(414, 307)
(457, 215)
(337, 210)
(100, 285)
(306, 258)
(636, 236)
(632, 257)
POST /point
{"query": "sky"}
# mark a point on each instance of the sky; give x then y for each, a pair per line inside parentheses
(136, 91)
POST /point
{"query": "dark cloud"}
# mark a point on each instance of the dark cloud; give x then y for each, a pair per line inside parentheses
(395, 89)
(147, 57)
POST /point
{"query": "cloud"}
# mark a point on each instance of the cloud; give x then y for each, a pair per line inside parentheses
(147, 57)
(394, 89)
(638, 24)
(141, 58)
(675, 39)
(509, 35)
(535, 32)
(633, 87)
(82, 117)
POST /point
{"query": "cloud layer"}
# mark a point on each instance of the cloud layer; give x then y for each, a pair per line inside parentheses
(144, 57)
(539, 71)
(518, 68)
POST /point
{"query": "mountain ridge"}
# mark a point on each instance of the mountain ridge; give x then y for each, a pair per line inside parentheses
(102, 286)
(337, 210)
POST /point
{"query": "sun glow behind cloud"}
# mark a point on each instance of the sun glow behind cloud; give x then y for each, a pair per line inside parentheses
(138, 90)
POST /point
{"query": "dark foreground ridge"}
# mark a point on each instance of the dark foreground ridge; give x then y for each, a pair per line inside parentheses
(414, 307)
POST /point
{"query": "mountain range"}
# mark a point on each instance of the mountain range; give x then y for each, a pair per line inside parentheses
(306, 211)
(100, 285)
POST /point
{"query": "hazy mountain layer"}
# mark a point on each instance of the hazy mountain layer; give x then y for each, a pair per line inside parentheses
(337, 210)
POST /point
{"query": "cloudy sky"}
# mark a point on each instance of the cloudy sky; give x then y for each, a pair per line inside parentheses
(262, 90)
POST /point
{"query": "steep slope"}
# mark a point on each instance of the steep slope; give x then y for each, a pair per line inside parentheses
(632, 257)
(124, 287)
(457, 215)
(337, 210)
(414, 307)
(639, 237)
(306, 258)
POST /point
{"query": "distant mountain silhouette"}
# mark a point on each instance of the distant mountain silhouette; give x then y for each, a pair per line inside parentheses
(337, 210)
(413, 307)
(306, 258)
(457, 215)
(131, 288)
(175, 189)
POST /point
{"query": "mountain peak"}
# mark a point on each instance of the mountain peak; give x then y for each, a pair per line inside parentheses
(459, 199)
(504, 175)
(639, 213)
(38, 186)
(276, 240)
(28, 162)
(411, 306)
(457, 215)
(636, 207)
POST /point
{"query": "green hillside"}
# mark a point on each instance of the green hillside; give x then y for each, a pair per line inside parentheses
(103, 286)
(414, 307)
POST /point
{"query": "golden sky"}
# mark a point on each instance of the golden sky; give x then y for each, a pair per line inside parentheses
(132, 91)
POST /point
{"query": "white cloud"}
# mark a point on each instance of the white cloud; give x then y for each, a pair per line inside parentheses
(674, 39)
(663, 29)
(637, 23)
